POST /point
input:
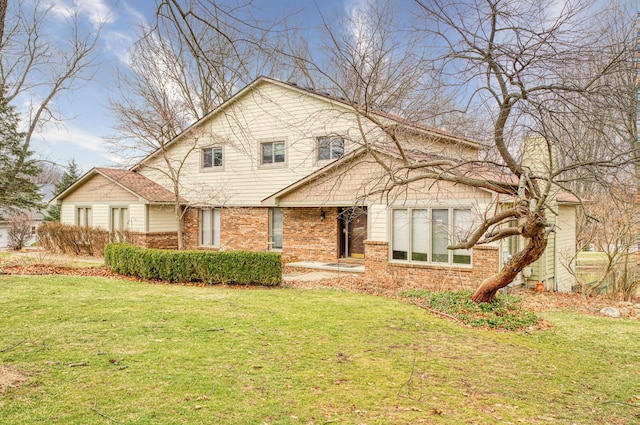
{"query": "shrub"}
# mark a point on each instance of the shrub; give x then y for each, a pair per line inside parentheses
(20, 225)
(233, 267)
(76, 240)
(502, 313)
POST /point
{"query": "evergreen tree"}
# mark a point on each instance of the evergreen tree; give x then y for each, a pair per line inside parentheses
(17, 168)
(71, 174)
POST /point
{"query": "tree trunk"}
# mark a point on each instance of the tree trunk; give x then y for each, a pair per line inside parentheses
(536, 233)
(179, 224)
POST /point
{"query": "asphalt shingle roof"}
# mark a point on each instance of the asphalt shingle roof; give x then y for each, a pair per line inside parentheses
(140, 185)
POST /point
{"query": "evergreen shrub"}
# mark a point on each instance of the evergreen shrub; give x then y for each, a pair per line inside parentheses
(212, 267)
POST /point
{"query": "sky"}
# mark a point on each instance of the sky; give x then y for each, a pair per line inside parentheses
(88, 120)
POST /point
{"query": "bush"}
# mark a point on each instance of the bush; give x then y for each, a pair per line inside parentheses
(501, 313)
(233, 267)
(76, 240)
(20, 225)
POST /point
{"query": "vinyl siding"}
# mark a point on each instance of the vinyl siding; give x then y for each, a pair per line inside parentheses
(137, 217)
(353, 181)
(377, 216)
(566, 241)
(267, 113)
(99, 188)
(161, 219)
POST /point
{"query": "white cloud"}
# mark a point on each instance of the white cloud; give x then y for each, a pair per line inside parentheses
(67, 139)
(96, 11)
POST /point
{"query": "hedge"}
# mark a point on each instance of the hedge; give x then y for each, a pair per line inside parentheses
(228, 267)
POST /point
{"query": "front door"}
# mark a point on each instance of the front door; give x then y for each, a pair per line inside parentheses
(353, 226)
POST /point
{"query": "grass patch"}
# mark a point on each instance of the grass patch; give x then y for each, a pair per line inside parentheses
(502, 313)
(99, 351)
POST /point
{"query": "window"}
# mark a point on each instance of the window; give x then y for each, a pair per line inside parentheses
(329, 148)
(119, 219)
(212, 157)
(272, 153)
(423, 234)
(210, 227)
(84, 217)
(275, 228)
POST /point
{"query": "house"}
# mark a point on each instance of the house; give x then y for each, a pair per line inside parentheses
(285, 168)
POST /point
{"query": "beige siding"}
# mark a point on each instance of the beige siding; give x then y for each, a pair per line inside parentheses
(101, 215)
(137, 217)
(99, 188)
(360, 179)
(68, 213)
(566, 246)
(377, 216)
(161, 219)
(267, 113)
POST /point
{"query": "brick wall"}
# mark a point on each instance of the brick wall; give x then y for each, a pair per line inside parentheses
(395, 275)
(162, 240)
(244, 229)
(308, 237)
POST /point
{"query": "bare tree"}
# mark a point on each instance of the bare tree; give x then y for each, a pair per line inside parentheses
(612, 233)
(521, 70)
(37, 66)
(190, 61)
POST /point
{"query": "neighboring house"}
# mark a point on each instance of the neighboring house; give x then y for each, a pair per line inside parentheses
(280, 167)
(47, 191)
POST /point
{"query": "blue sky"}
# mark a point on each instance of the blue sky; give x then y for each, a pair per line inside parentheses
(89, 121)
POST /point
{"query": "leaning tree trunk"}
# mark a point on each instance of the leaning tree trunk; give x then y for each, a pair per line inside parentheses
(536, 232)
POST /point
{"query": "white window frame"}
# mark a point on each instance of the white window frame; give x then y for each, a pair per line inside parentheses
(212, 240)
(407, 243)
(273, 163)
(213, 166)
(331, 140)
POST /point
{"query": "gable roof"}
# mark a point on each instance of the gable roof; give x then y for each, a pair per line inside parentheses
(324, 96)
(500, 179)
(136, 184)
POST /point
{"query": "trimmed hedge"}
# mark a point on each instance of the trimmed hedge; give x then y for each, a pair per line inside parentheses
(228, 267)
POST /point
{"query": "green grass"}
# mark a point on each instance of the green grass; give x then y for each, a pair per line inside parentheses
(161, 354)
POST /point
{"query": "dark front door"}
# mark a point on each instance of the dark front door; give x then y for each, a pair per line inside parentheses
(353, 226)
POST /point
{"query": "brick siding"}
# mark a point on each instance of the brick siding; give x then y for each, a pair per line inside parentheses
(396, 275)
(306, 236)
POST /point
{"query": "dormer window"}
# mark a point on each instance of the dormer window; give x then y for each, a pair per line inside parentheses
(329, 148)
(212, 158)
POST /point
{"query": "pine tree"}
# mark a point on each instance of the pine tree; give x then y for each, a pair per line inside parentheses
(17, 168)
(71, 174)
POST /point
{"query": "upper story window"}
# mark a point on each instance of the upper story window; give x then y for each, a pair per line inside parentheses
(272, 153)
(329, 148)
(212, 158)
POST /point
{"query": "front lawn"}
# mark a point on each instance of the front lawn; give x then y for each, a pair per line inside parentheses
(100, 351)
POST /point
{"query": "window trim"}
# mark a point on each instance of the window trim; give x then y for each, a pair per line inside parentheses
(429, 230)
(212, 167)
(272, 164)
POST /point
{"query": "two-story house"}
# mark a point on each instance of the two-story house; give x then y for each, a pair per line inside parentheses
(286, 168)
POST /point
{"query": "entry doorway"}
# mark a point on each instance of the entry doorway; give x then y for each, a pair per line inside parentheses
(353, 232)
